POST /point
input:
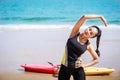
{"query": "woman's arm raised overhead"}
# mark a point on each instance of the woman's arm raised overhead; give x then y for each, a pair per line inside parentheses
(80, 22)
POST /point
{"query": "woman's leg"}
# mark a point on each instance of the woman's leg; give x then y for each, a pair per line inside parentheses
(79, 74)
(64, 73)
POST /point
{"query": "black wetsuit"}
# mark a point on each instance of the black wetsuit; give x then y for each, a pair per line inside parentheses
(74, 50)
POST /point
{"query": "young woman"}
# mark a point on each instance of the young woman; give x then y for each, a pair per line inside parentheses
(76, 45)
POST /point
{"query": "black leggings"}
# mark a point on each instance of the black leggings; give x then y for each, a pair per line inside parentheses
(65, 73)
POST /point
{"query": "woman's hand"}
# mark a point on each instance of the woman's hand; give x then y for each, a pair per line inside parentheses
(104, 20)
(79, 63)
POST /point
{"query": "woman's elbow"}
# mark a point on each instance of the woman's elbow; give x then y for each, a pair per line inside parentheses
(96, 61)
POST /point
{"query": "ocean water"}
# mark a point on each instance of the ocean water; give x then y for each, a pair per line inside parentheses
(57, 11)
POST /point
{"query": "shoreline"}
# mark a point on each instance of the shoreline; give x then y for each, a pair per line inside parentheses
(52, 26)
(36, 27)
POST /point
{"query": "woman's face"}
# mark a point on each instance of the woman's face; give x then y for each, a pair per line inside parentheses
(90, 32)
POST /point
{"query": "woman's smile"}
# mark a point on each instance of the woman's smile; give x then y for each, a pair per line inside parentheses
(86, 33)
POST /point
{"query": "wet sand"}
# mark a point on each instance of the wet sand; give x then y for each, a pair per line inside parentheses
(42, 45)
(18, 75)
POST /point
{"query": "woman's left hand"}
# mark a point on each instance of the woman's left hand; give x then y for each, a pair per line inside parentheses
(104, 21)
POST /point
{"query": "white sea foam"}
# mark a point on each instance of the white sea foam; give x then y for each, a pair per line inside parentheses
(23, 27)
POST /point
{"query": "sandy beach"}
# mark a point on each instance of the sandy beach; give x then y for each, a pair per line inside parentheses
(38, 46)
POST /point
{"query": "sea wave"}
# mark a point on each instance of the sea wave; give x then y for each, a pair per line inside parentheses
(32, 18)
(16, 20)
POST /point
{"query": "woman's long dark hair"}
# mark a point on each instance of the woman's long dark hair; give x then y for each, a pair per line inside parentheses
(98, 35)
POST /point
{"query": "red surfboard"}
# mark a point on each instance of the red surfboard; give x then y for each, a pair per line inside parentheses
(40, 68)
